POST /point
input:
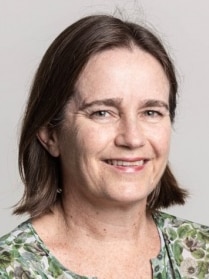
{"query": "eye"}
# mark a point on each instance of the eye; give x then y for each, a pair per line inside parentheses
(100, 114)
(153, 113)
(104, 116)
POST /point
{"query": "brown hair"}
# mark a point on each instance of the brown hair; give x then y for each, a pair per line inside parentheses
(52, 88)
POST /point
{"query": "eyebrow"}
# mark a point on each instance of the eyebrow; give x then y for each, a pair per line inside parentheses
(115, 102)
(155, 103)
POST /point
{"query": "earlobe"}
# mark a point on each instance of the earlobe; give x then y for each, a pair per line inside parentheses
(49, 140)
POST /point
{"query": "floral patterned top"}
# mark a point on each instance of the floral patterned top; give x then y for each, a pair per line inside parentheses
(184, 253)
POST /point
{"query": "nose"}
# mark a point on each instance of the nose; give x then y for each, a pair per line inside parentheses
(130, 133)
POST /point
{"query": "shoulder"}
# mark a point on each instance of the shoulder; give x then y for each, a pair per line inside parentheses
(181, 226)
(19, 249)
(17, 238)
(192, 235)
(188, 243)
(24, 255)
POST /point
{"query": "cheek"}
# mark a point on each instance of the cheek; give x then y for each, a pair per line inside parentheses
(95, 139)
(159, 137)
(83, 139)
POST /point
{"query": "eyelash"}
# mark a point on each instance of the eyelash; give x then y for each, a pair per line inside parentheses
(149, 115)
(152, 113)
(99, 113)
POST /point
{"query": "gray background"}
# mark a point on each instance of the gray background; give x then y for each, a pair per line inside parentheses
(28, 27)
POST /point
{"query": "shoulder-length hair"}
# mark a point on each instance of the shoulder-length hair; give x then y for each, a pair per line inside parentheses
(52, 88)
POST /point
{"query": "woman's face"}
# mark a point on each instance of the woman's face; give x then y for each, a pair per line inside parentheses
(115, 138)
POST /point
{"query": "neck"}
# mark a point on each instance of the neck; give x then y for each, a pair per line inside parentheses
(105, 221)
(125, 236)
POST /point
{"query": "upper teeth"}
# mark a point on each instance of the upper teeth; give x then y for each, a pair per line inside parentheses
(124, 163)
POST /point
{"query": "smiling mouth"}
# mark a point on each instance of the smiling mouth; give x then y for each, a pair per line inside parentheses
(122, 163)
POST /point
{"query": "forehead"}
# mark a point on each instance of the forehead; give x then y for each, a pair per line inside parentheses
(119, 71)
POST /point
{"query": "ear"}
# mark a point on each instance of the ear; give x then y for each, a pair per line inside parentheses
(49, 140)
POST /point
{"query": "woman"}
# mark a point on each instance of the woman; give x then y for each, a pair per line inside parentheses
(93, 156)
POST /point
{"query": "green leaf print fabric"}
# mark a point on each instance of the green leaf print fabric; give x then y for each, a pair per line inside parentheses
(187, 246)
(184, 253)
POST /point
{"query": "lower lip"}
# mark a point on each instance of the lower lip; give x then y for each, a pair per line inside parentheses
(129, 169)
